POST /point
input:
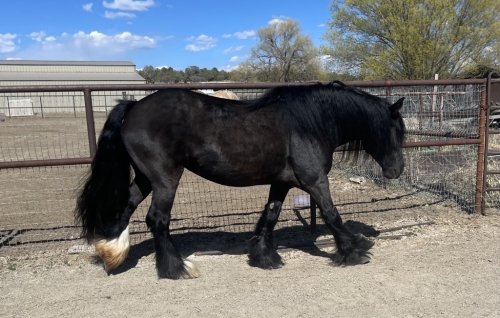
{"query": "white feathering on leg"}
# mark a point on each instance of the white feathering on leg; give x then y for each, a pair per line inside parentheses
(113, 252)
(191, 270)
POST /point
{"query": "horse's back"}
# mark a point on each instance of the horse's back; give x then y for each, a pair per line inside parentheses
(215, 138)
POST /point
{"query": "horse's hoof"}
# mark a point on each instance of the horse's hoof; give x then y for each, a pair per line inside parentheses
(186, 270)
(270, 260)
(358, 254)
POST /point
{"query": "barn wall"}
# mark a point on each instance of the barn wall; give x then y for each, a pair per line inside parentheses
(67, 102)
(55, 73)
(68, 68)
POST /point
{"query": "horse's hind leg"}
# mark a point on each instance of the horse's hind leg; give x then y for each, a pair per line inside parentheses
(169, 263)
(262, 250)
(351, 249)
(115, 248)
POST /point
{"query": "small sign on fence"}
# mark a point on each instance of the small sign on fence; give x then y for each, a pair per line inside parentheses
(20, 107)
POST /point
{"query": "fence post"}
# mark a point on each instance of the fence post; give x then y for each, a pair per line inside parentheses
(313, 214)
(8, 107)
(89, 114)
(41, 106)
(420, 109)
(478, 206)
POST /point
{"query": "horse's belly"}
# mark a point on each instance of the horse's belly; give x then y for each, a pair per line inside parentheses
(235, 168)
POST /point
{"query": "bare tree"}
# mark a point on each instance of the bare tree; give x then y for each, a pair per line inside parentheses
(283, 54)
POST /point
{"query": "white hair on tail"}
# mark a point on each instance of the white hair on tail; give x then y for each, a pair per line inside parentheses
(113, 252)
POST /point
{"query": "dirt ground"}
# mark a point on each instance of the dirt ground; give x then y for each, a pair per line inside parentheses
(430, 259)
(448, 266)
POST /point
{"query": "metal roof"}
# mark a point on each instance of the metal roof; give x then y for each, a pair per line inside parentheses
(57, 76)
(77, 63)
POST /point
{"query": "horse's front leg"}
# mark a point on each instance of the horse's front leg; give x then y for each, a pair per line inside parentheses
(262, 250)
(351, 249)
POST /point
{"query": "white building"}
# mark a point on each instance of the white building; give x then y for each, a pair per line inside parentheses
(34, 73)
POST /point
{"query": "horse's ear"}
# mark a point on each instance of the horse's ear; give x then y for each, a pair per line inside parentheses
(394, 108)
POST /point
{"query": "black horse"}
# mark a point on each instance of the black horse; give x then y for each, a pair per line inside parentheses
(285, 139)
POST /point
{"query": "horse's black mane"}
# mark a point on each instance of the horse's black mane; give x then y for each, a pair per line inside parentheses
(315, 110)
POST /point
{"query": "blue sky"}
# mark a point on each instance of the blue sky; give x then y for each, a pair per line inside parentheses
(176, 33)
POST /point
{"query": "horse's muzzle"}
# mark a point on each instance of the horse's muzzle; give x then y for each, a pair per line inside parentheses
(393, 173)
(390, 174)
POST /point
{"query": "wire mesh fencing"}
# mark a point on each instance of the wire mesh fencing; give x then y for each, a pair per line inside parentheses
(37, 203)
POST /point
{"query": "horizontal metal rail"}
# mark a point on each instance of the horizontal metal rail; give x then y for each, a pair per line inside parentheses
(44, 163)
(88, 160)
(456, 142)
(441, 134)
(437, 115)
(141, 87)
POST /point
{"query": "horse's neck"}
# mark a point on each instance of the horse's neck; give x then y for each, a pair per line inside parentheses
(350, 127)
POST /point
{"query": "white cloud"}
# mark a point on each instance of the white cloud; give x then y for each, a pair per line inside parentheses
(118, 15)
(245, 34)
(322, 25)
(240, 35)
(37, 36)
(278, 20)
(234, 49)
(234, 59)
(88, 7)
(275, 21)
(129, 5)
(121, 41)
(6, 43)
(228, 68)
(82, 46)
(201, 43)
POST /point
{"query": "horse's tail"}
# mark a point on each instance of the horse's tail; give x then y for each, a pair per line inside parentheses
(105, 193)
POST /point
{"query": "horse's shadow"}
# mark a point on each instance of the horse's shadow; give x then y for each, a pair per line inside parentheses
(216, 243)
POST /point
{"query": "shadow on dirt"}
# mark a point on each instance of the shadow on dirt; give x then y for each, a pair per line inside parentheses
(218, 243)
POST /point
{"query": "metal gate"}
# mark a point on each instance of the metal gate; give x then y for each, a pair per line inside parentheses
(492, 156)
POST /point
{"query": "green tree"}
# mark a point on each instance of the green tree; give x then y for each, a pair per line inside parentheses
(149, 74)
(283, 54)
(410, 39)
(243, 73)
